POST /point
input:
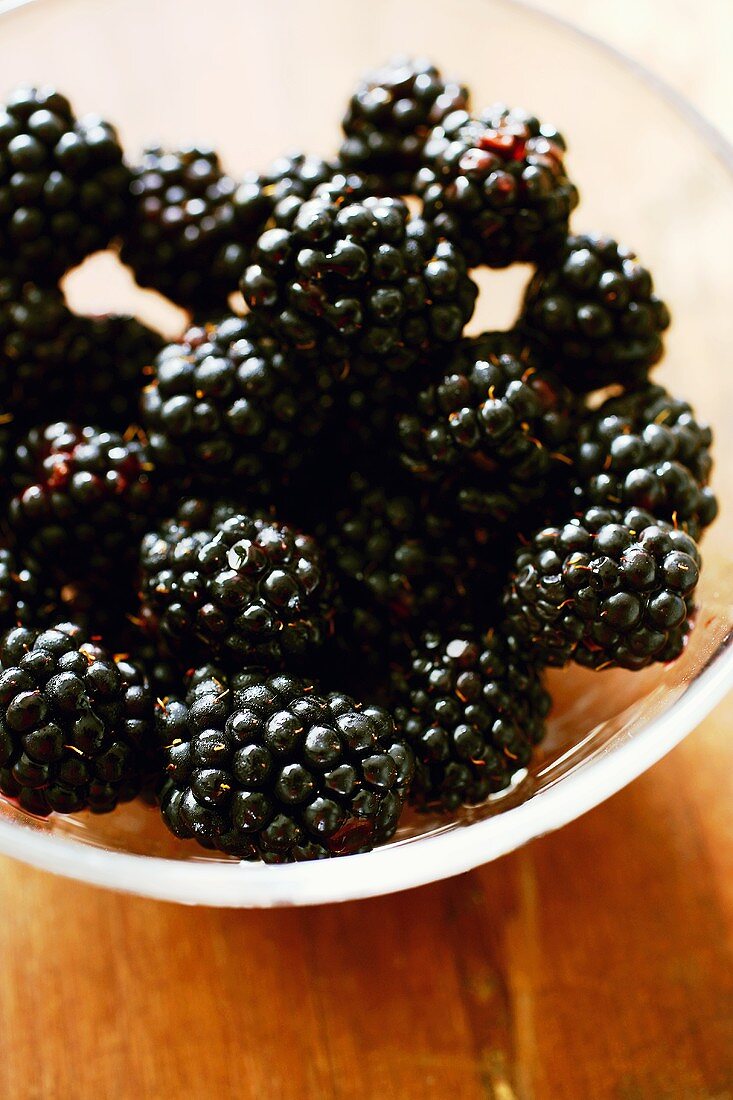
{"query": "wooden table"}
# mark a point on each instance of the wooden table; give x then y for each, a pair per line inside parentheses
(594, 963)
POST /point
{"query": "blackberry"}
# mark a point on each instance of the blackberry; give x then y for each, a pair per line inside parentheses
(359, 278)
(24, 597)
(595, 309)
(497, 185)
(494, 432)
(82, 497)
(181, 208)
(63, 184)
(390, 116)
(608, 588)
(76, 724)
(647, 449)
(241, 589)
(37, 340)
(471, 708)
(263, 766)
(228, 404)
(111, 361)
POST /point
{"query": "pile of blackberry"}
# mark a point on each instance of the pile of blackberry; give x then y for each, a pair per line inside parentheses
(305, 565)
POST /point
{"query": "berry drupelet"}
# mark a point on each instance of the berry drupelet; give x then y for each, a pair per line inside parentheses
(76, 724)
(228, 405)
(606, 589)
(360, 278)
(494, 432)
(238, 588)
(596, 311)
(264, 767)
(390, 116)
(111, 361)
(471, 708)
(497, 184)
(63, 184)
(647, 449)
(83, 498)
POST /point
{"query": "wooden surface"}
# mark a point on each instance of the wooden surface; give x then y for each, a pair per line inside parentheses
(595, 963)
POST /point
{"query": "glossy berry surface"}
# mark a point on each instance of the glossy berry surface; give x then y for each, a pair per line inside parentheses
(472, 708)
(606, 589)
(497, 185)
(242, 589)
(596, 311)
(76, 724)
(263, 766)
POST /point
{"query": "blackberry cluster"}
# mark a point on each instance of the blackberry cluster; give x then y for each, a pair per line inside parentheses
(75, 723)
(497, 185)
(363, 278)
(494, 431)
(607, 588)
(472, 708)
(390, 116)
(262, 766)
(239, 589)
(646, 449)
(82, 498)
(63, 184)
(231, 403)
(340, 491)
(595, 309)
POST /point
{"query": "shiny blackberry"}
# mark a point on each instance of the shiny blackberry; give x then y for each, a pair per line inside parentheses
(37, 341)
(494, 433)
(76, 724)
(595, 309)
(241, 589)
(111, 360)
(24, 597)
(359, 278)
(608, 588)
(83, 498)
(497, 185)
(471, 707)
(264, 767)
(229, 406)
(63, 184)
(390, 116)
(648, 449)
(181, 211)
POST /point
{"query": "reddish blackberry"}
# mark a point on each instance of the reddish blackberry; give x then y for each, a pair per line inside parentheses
(264, 767)
(180, 215)
(112, 357)
(497, 186)
(494, 432)
(82, 498)
(596, 311)
(76, 724)
(241, 589)
(471, 708)
(646, 449)
(359, 278)
(390, 116)
(606, 589)
(63, 184)
(37, 339)
(229, 405)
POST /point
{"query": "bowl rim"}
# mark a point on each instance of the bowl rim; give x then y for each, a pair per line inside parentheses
(440, 855)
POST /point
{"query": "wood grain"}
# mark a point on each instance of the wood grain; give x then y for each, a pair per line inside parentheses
(596, 963)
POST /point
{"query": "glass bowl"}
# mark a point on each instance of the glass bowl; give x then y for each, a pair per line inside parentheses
(257, 79)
